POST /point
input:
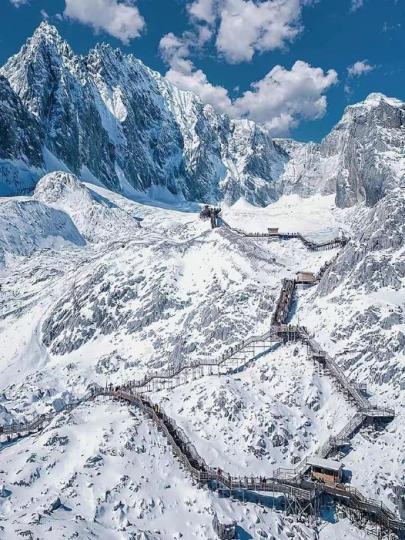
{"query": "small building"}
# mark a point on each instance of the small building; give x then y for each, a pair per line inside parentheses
(305, 277)
(325, 470)
(212, 213)
(273, 231)
(361, 387)
(205, 212)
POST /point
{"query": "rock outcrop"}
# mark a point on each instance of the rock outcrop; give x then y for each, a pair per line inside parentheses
(107, 117)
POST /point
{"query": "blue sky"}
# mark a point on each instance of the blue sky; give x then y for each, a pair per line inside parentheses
(306, 59)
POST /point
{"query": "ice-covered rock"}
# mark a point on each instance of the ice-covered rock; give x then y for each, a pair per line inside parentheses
(379, 236)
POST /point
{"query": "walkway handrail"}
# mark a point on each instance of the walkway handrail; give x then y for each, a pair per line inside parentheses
(276, 331)
(310, 244)
(283, 481)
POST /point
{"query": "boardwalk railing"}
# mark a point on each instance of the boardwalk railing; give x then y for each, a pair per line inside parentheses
(284, 482)
(310, 244)
(233, 358)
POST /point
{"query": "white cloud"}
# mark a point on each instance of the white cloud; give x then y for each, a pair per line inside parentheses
(195, 80)
(203, 10)
(356, 4)
(361, 67)
(347, 89)
(248, 26)
(243, 27)
(119, 19)
(285, 97)
(44, 14)
(18, 3)
(281, 100)
(183, 73)
(173, 49)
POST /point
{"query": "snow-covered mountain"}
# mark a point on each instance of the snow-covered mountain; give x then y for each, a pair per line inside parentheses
(108, 118)
(90, 297)
(362, 159)
(100, 288)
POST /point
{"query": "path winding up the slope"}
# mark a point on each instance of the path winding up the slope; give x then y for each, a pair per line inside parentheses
(301, 494)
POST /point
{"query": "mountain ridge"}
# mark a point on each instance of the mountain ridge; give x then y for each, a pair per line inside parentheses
(107, 116)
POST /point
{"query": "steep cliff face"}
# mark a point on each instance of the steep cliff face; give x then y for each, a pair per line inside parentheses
(51, 82)
(362, 159)
(107, 116)
(21, 138)
(370, 143)
(307, 171)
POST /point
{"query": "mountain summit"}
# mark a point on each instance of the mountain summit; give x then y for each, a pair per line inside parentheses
(108, 118)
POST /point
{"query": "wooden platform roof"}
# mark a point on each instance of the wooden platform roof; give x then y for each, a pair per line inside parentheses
(328, 464)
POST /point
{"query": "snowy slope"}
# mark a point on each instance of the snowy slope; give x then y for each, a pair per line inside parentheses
(114, 299)
(95, 217)
(273, 414)
(358, 311)
(27, 225)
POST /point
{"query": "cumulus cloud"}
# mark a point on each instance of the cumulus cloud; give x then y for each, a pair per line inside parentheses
(285, 97)
(247, 27)
(203, 10)
(183, 73)
(18, 3)
(361, 67)
(119, 19)
(356, 4)
(243, 27)
(280, 101)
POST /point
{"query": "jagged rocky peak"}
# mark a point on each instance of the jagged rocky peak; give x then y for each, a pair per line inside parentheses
(361, 160)
(370, 144)
(35, 70)
(377, 243)
(108, 116)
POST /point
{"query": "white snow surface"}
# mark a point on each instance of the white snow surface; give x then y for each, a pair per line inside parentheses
(89, 296)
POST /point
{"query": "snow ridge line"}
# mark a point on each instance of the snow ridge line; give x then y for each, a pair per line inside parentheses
(299, 489)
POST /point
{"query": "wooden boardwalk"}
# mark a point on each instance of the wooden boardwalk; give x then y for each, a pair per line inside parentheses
(300, 493)
(309, 244)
